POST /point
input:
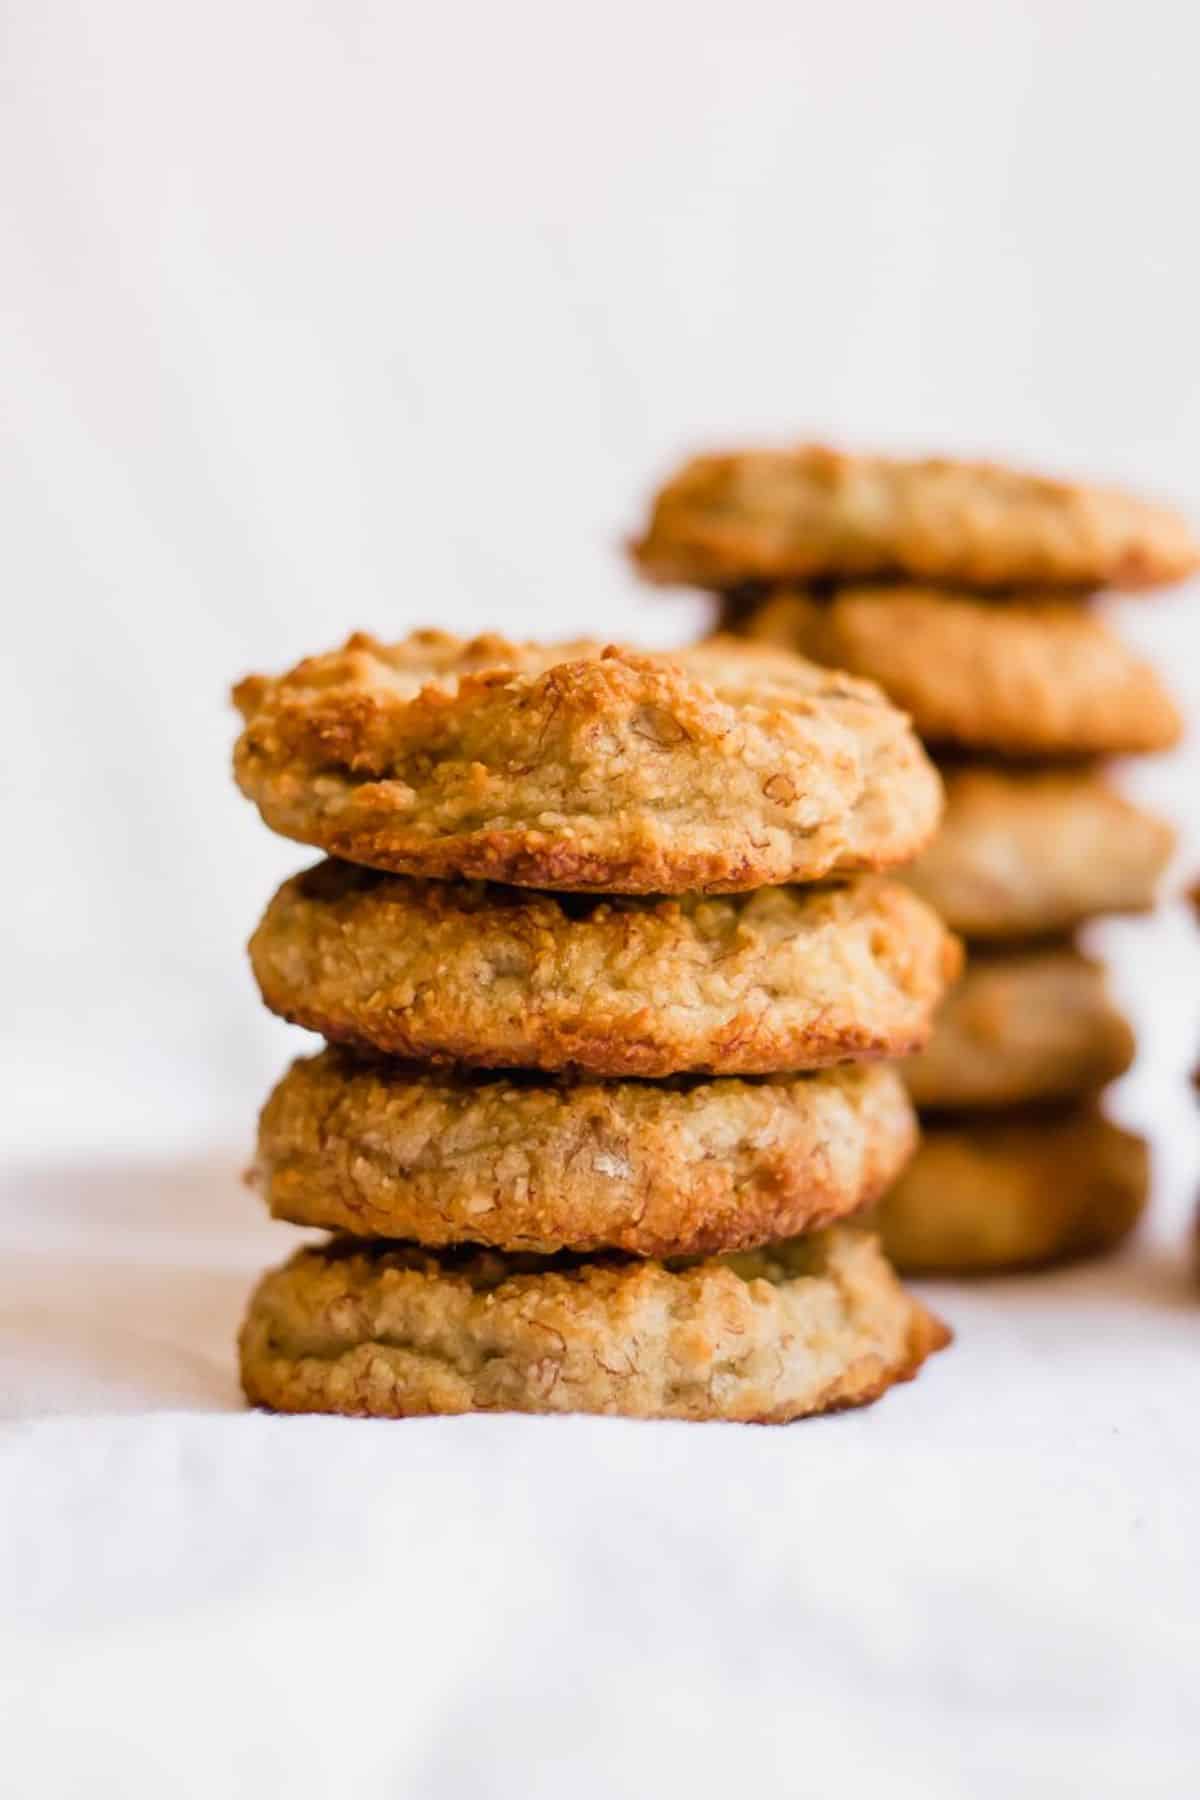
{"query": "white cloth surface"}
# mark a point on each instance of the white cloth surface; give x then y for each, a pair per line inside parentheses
(385, 315)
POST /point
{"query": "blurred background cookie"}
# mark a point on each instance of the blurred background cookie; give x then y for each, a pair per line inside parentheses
(1029, 853)
(990, 1196)
(726, 520)
(1034, 677)
(1022, 1025)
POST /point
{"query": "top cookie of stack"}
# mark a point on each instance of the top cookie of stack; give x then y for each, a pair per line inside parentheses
(652, 819)
(766, 517)
(583, 767)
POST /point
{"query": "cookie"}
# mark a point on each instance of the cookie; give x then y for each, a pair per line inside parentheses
(1037, 677)
(718, 768)
(744, 984)
(383, 1149)
(767, 516)
(770, 1335)
(1025, 854)
(1022, 1025)
(982, 1198)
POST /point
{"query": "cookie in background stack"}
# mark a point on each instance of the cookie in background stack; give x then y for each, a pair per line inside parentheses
(585, 1147)
(963, 589)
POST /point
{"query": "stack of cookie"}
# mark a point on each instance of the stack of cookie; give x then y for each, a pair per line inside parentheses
(963, 589)
(585, 1148)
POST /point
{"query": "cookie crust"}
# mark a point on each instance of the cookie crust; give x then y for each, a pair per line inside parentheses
(1037, 677)
(392, 1332)
(1032, 853)
(718, 768)
(781, 979)
(1021, 1026)
(767, 516)
(988, 1197)
(378, 1149)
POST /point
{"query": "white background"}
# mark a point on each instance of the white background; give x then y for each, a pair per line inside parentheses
(334, 315)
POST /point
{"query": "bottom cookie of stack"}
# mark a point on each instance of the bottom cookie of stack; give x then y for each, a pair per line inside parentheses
(991, 1195)
(763, 1336)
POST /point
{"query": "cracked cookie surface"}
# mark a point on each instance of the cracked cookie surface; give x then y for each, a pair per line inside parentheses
(380, 1149)
(781, 979)
(766, 1336)
(718, 768)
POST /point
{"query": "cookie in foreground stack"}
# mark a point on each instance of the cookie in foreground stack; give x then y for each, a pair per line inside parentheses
(963, 589)
(609, 984)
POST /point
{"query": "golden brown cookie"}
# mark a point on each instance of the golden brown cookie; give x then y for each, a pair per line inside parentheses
(744, 984)
(766, 1336)
(718, 768)
(384, 1149)
(1010, 1193)
(1037, 677)
(1022, 1025)
(800, 514)
(1031, 853)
